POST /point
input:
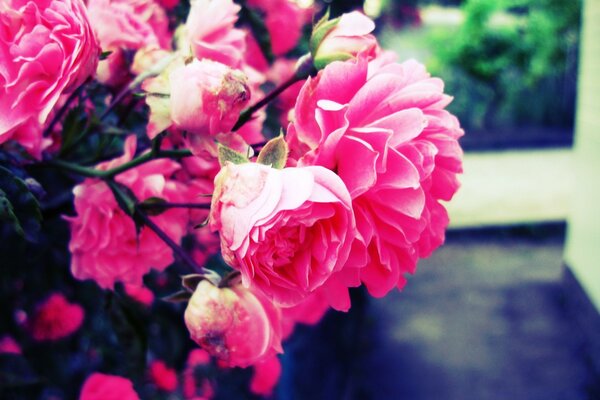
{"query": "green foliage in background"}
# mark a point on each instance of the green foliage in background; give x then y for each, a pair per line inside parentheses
(511, 62)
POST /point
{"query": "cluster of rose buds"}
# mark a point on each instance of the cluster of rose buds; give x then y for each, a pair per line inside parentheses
(349, 194)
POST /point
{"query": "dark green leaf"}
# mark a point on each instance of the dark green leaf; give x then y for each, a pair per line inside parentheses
(18, 206)
(178, 297)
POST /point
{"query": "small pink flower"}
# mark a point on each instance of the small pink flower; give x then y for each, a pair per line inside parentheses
(198, 357)
(55, 318)
(207, 98)
(105, 245)
(8, 345)
(107, 387)
(350, 37)
(284, 20)
(383, 127)
(162, 376)
(288, 231)
(212, 34)
(127, 25)
(141, 294)
(48, 48)
(234, 324)
(265, 377)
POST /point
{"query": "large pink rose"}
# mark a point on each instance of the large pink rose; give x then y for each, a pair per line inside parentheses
(47, 48)
(237, 325)
(211, 32)
(104, 243)
(288, 231)
(383, 128)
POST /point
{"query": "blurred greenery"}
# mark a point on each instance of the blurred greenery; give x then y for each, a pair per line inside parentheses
(511, 65)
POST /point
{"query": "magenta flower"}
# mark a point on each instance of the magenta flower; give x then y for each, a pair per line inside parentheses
(55, 318)
(212, 34)
(238, 326)
(107, 387)
(104, 243)
(48, 48)
(383, 128)
(288, 231)
(162, 376)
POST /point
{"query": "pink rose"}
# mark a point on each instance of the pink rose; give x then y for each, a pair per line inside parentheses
(127, 25)
(207, 97)
(212, 34)
(234, 324)
(265, 377)
(48, 48)
(383, 128)
(8, 345)
(55, 318)
(162, 376)
(107, 387)
(284, 20)
(288, 231)
(349, 37)
(141, 294)
(104, 243)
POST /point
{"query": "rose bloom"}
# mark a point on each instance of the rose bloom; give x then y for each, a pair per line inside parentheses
(207, 97)
(265, 377)
(238, 326)
(8, 345)
(287, 231)
(351, 36)
(162, 376)
(48, 48)
(284, 20)
(107, 387)
(127, 25)
(212, 34)
(55, 318)
(383, 128)
(105, 245)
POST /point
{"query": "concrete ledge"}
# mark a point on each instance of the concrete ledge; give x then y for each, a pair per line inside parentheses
(587, 319)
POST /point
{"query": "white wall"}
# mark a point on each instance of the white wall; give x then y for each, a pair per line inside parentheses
(583, 239)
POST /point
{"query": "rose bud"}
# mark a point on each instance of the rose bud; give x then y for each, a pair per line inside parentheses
(207, 98)
(342, 38)
(238, 326)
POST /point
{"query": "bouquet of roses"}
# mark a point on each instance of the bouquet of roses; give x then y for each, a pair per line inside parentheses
(269, 170)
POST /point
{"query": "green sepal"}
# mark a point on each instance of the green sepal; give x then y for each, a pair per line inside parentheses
(226, 154)
(274, 153)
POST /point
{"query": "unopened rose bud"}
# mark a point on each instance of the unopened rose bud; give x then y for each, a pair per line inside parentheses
(234, 324)
(342, 38)
(207, 97)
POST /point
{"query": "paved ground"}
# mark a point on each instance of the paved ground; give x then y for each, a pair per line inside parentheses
(484, 318)
(513, 187)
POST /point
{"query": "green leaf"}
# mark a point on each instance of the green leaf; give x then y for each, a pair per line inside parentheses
(104, 55)
(191, 281)
(74, 127)
(274, 153)
(182, 296)
(18, 206)
(226, 154)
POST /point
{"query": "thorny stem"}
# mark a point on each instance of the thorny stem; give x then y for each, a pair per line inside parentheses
(178, 250)
(167, 205)
(144, 158)
(304, 69)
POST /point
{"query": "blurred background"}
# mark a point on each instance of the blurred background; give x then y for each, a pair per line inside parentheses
(508, 308)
